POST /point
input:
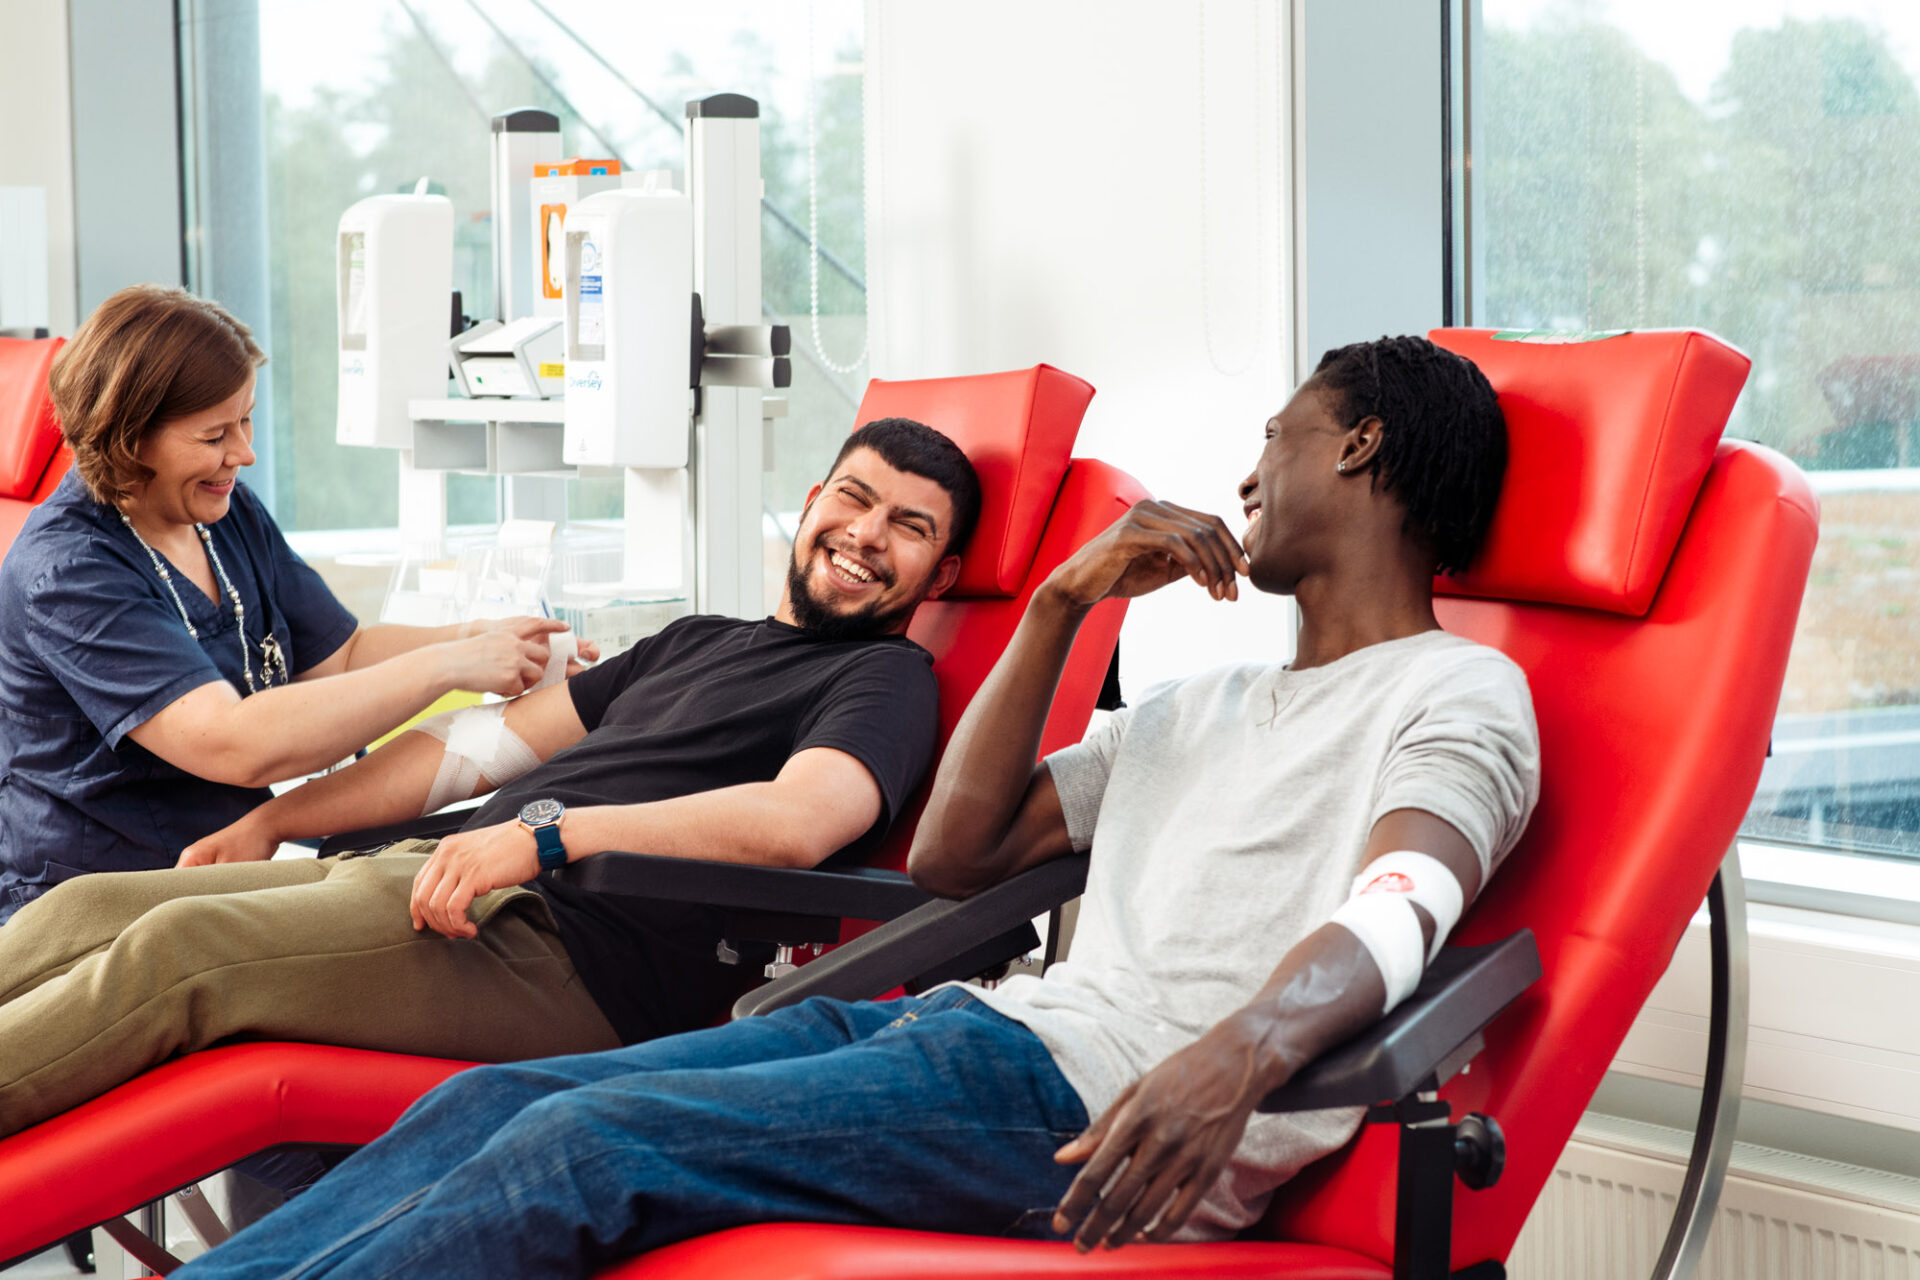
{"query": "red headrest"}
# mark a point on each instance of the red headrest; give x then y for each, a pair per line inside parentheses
(29, 433)
(1018, 429)
(1608, 441)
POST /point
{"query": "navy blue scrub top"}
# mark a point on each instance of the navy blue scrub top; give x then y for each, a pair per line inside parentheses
(91, 647)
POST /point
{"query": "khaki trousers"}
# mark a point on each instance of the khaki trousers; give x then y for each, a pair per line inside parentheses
(111, 974)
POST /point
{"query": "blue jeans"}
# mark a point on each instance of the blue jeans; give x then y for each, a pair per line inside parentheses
(935, 1113)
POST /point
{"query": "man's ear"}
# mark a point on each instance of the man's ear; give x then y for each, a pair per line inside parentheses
(1362, 444)
(811, 495)
(943, 578)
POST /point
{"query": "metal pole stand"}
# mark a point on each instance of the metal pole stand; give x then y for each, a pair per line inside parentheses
(1726, 1069)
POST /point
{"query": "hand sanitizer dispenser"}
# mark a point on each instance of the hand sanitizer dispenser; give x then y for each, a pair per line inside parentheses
(558, 186)
(395, 282)
(629, 329)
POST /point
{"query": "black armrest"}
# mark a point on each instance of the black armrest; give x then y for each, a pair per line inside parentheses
(857, 893)
(429, 827)
(1463, 990)
(921, 940)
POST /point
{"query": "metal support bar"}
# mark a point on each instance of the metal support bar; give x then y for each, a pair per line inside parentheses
(746, 371)
(1726, 1069)
(423, 506)
(747, 339)
(782, 962)
(140, 1246)
(723, 180)
(201, 1218)
(1423, 1205)
(1056, 921)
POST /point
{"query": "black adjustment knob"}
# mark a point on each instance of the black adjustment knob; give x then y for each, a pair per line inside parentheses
(1479, 1151)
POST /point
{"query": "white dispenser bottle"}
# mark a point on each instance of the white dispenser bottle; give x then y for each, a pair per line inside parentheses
(629, 327)
(394, 301)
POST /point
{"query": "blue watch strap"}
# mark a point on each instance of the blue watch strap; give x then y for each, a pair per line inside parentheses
(553, 854)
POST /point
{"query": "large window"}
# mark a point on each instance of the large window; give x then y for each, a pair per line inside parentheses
(363, 96)
(1752, 169)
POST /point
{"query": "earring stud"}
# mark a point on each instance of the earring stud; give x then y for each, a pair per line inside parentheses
(1339, 466)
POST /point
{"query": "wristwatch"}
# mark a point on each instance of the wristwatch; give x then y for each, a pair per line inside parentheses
(542, 817)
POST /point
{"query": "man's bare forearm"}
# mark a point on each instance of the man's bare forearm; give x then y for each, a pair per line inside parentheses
(1329, 987)
(821, 801)
(1176, 1127)
(1151, 1155)
(960, 845)
(993, 812)
(1324, 991)
(389, 785)
(746, 823)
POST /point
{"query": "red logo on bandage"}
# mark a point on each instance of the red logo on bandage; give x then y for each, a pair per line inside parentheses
(1391, 882)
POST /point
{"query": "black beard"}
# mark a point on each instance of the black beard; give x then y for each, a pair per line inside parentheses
(809, 614)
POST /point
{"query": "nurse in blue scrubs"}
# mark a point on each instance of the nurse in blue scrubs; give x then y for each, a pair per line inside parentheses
(164, 655)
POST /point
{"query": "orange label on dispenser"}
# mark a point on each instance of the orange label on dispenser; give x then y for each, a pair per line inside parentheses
(553, 221)
(576, 168)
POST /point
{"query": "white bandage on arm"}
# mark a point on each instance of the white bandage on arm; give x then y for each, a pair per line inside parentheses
(562, 648)
(1380, 913)
(477, 743)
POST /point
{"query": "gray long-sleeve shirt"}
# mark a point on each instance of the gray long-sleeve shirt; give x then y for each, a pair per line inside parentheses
(1227, 814)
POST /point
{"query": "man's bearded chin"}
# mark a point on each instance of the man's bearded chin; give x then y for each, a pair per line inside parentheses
(864, 623)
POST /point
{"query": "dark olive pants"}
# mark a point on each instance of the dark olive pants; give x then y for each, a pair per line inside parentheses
(111, 974)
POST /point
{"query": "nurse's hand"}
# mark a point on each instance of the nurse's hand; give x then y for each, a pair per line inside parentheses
(244, 841)
(467, 865)
(538, 631)
(500, 660)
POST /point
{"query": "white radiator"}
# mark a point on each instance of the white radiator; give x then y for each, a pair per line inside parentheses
(1782, 1216)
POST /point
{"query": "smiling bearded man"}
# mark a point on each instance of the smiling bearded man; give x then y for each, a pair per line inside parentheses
(776, 741)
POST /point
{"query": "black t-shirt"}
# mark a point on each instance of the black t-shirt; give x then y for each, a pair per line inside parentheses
(713, 702)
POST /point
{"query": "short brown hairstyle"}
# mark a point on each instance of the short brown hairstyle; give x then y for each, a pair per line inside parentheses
(147, 355)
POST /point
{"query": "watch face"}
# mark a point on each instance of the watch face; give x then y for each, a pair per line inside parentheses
(537, 813)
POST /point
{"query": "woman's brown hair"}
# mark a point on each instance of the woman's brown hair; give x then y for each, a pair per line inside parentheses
(146, 355)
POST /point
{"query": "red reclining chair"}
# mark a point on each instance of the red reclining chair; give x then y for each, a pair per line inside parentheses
(32, 455)
(198, 1114)
(1646, 576)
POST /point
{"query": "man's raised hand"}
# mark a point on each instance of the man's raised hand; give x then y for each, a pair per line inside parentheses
(1154, 544)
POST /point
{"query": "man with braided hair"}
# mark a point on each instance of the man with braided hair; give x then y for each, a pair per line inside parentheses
(1224, 939)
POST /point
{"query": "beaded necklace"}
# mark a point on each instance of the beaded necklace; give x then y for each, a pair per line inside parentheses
(272, 660)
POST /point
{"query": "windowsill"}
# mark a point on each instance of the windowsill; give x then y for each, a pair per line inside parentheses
(1834, 956)
(333, 544)
(1877, 480)
(361, 544)
(1834, 883)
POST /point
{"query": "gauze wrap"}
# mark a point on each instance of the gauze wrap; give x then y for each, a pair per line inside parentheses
(561, 649)
(1380, 913)
(477, 743)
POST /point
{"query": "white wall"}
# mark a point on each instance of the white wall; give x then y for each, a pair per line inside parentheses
(36, 132)
(1087, 183)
